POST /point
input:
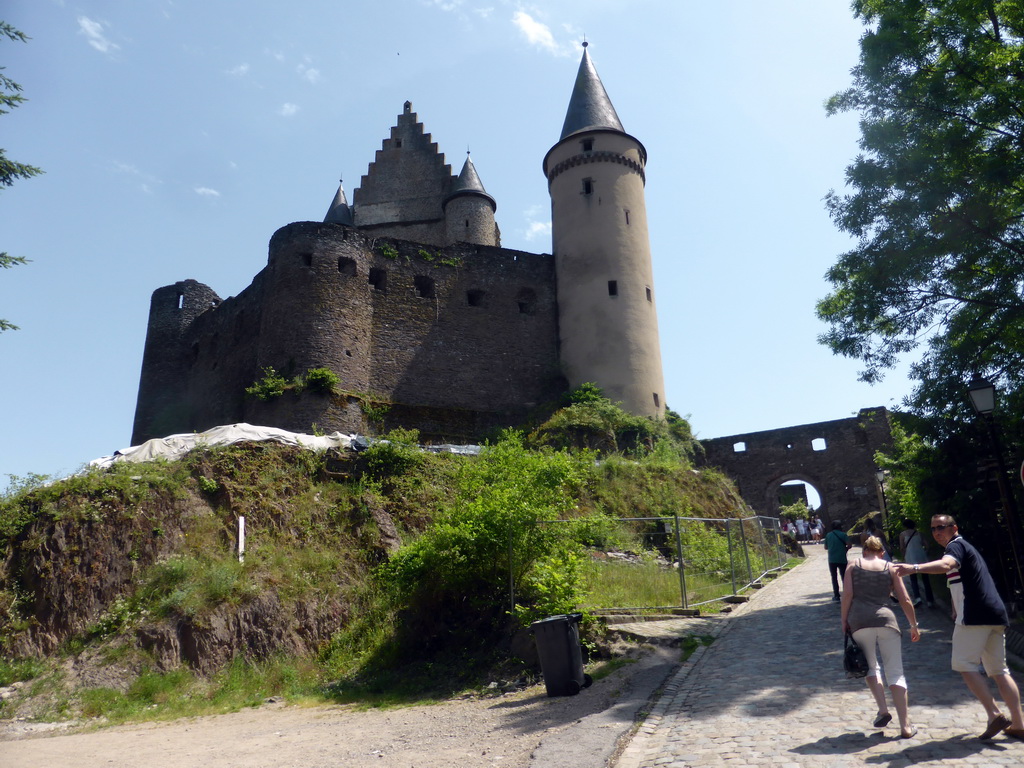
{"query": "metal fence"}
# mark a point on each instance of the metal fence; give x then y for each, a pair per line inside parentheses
(665, 563)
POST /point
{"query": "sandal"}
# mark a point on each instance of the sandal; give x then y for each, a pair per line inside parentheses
(883, 720)
(909, 734)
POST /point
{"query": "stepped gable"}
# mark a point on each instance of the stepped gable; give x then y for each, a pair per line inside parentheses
(406, 184)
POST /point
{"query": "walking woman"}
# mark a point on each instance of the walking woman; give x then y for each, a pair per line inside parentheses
(866, 613)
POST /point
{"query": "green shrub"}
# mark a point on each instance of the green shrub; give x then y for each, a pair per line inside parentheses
(395, 454)
(270, 386)
(321, 380)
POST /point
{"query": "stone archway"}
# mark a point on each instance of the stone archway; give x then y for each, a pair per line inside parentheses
(837, 458)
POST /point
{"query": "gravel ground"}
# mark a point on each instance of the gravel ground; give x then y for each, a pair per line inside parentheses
(523, 729)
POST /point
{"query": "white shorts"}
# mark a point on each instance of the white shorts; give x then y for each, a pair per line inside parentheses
(975, 644)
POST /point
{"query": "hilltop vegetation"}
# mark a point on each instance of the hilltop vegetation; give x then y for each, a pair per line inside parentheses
(383, 572)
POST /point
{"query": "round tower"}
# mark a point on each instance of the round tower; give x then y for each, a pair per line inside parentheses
(469, 210)
(608, 326)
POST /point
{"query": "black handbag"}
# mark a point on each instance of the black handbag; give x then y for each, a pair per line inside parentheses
(855, 662)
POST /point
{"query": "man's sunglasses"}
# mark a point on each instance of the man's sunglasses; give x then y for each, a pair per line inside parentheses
(941, 527)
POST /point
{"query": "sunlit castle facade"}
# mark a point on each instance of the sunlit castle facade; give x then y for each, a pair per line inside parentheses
(407, 296)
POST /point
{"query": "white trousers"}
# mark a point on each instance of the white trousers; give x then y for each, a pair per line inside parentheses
(889, 645)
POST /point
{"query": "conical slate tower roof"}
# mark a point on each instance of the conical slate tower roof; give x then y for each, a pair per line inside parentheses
(339, 212)
(469, 183)
(589, 106)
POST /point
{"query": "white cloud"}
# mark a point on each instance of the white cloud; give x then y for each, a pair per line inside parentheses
(534, 228)
(535, 32)
(308, 73)
(206, 192)
(93, 31)
(288, 109)
(240, 71)
(146, 181)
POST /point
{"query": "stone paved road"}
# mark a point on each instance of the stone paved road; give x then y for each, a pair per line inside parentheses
(770, 691)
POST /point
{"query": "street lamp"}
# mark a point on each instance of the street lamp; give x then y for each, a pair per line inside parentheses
(880, 477)
(983, 399)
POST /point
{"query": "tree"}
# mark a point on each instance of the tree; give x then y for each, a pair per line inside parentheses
(10, 171)
(937, 200)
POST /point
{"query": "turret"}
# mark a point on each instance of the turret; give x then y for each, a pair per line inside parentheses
(339, 212)
(608, 326)
(469, 210)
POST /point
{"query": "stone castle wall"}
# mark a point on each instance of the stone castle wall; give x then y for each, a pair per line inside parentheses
(455, 340)
(836, 457)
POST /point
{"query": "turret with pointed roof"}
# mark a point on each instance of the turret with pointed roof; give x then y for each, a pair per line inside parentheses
(339, 211)
(469, 210)
(608, 326)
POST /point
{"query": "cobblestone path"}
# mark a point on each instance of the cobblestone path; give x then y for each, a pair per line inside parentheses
(770, 691)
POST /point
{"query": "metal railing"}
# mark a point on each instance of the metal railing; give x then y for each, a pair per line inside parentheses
(679, 562)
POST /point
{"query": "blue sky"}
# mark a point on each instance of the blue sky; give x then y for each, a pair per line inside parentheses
(178, 135)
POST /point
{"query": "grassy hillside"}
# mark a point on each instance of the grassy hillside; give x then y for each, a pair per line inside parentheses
(380, 573)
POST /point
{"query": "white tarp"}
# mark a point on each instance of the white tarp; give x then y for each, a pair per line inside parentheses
(176, 446)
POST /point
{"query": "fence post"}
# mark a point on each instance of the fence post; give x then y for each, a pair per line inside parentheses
(732, 564)
(682, 565)
(746, 554)
(764, 544)
(780, 547)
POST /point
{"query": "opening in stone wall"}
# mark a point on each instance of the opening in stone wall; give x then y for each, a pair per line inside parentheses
(424, 286)
(379, 279)
(527, 301)
(818, 444)
(347, 266)
(475, 297)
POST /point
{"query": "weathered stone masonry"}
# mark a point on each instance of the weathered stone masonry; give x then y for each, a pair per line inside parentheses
(836, 457)
(462, 338)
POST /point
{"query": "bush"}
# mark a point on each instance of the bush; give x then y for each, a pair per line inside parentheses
(270, 386)
(455, 578)
(322, 380)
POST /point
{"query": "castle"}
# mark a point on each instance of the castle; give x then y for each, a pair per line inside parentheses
(409, 298)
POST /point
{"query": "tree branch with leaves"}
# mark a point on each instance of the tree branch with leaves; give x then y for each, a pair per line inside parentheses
(11, 171)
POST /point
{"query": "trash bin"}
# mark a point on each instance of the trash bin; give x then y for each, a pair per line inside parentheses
(558, 645)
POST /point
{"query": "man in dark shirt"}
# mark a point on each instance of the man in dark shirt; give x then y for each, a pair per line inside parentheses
(837, 543)
(979, 636)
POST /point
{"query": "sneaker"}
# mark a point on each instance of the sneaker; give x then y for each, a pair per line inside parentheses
(835, 598)
(917, 602)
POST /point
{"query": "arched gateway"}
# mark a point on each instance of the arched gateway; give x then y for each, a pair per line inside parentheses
(837, 458)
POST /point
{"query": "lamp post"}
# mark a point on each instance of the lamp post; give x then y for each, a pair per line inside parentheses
(983, 399)
(880, 477)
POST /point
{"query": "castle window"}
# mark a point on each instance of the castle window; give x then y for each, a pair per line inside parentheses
(467, 223)
(740, 447)
(424, 286)
(527, 301)
(588, 186)
(649, 293)
(379, 279)
(346, 266)
(181, 301)
(818, 444)
(588, 145)
(475, 298)
(626, 211)
(657, 401)
(307, 259)
(613, 287)
(398, 143)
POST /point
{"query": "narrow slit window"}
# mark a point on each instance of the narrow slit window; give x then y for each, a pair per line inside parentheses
(181, 301)
(424, 286)
(307, 259)
(613, 287)
(588, 145)
(657, 401)
(379, 279)
(626, 211)
(588, 186)
(649, 293)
